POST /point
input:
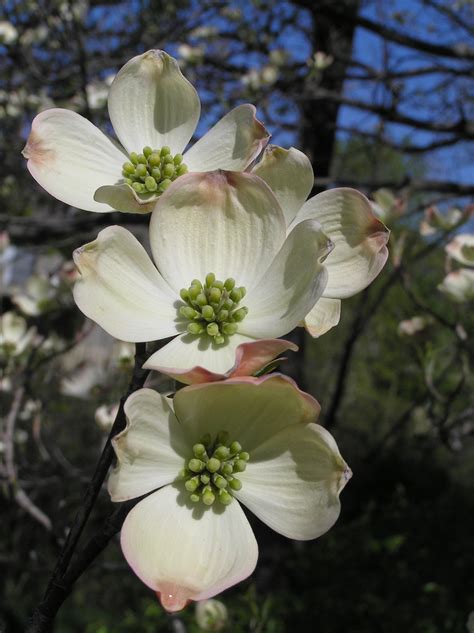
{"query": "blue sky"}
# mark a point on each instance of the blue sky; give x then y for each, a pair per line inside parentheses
(452, 163)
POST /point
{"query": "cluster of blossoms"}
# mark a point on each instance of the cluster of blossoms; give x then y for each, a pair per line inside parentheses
(458, 283)
(240, 258)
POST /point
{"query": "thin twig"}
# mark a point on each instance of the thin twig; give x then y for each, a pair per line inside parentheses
(20, 496)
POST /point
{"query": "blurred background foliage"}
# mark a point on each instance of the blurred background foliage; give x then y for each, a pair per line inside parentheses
(376, 93)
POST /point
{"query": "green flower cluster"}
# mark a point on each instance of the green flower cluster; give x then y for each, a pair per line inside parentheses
(210, 474)
(153, 171)
(213, 308)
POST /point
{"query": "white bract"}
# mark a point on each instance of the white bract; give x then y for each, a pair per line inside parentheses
(154, 111)
(226, 274)
(345, 216)
(246, 440)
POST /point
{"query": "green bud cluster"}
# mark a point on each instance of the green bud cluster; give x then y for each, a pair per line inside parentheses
(213, 308)
(153, 171)
(210, 475)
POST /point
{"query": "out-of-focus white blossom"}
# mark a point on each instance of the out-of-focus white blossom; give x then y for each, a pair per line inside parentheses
(204, 32)
(410, 327)
(8, 33)
(125, 353)
(97, 93)
(92, 362)
(191, 54)
(14, 335)
(386, 206)
(269, 75)
(52, 344)
(105, 416)
(211, 615)
(5, 384)
(30, 409)
(34, 36)
(257, 78)
(231, 13)
(47, 288)
(21, 436)
(320, 60)
(13, 103)
(459, 285)
(37, 297)
(279, 56)
(435, 221)
(461, 248)
(76, 10)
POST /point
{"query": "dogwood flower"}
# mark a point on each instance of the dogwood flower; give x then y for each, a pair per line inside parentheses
(459, 285)
(154, 111)
(461, 248)
(346, 217)
(37, 297)
(211, 615)
(226, 274)
(434, 221)
(415, 325)
(15, 336)
(250, 440)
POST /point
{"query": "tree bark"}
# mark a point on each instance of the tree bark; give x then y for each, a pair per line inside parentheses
(319, 117)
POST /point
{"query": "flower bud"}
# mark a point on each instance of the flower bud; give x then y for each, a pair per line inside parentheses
(211, 615)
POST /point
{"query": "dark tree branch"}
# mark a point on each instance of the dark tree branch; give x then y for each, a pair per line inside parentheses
(43, 617)
(348, 349)
(457, 51)
(372, 74)
(464, 129)
(414, 185)
(451, 15)
(400, 147)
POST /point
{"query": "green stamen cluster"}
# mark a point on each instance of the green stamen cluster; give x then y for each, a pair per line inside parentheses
(211, 474)
(153, 171)
(213, 308)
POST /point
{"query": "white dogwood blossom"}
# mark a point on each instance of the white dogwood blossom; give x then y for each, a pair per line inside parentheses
(249, 441)
(345, 216)
(154, 111)
(227, 273)
(15, 336)
(461, 248)
(459, 285)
